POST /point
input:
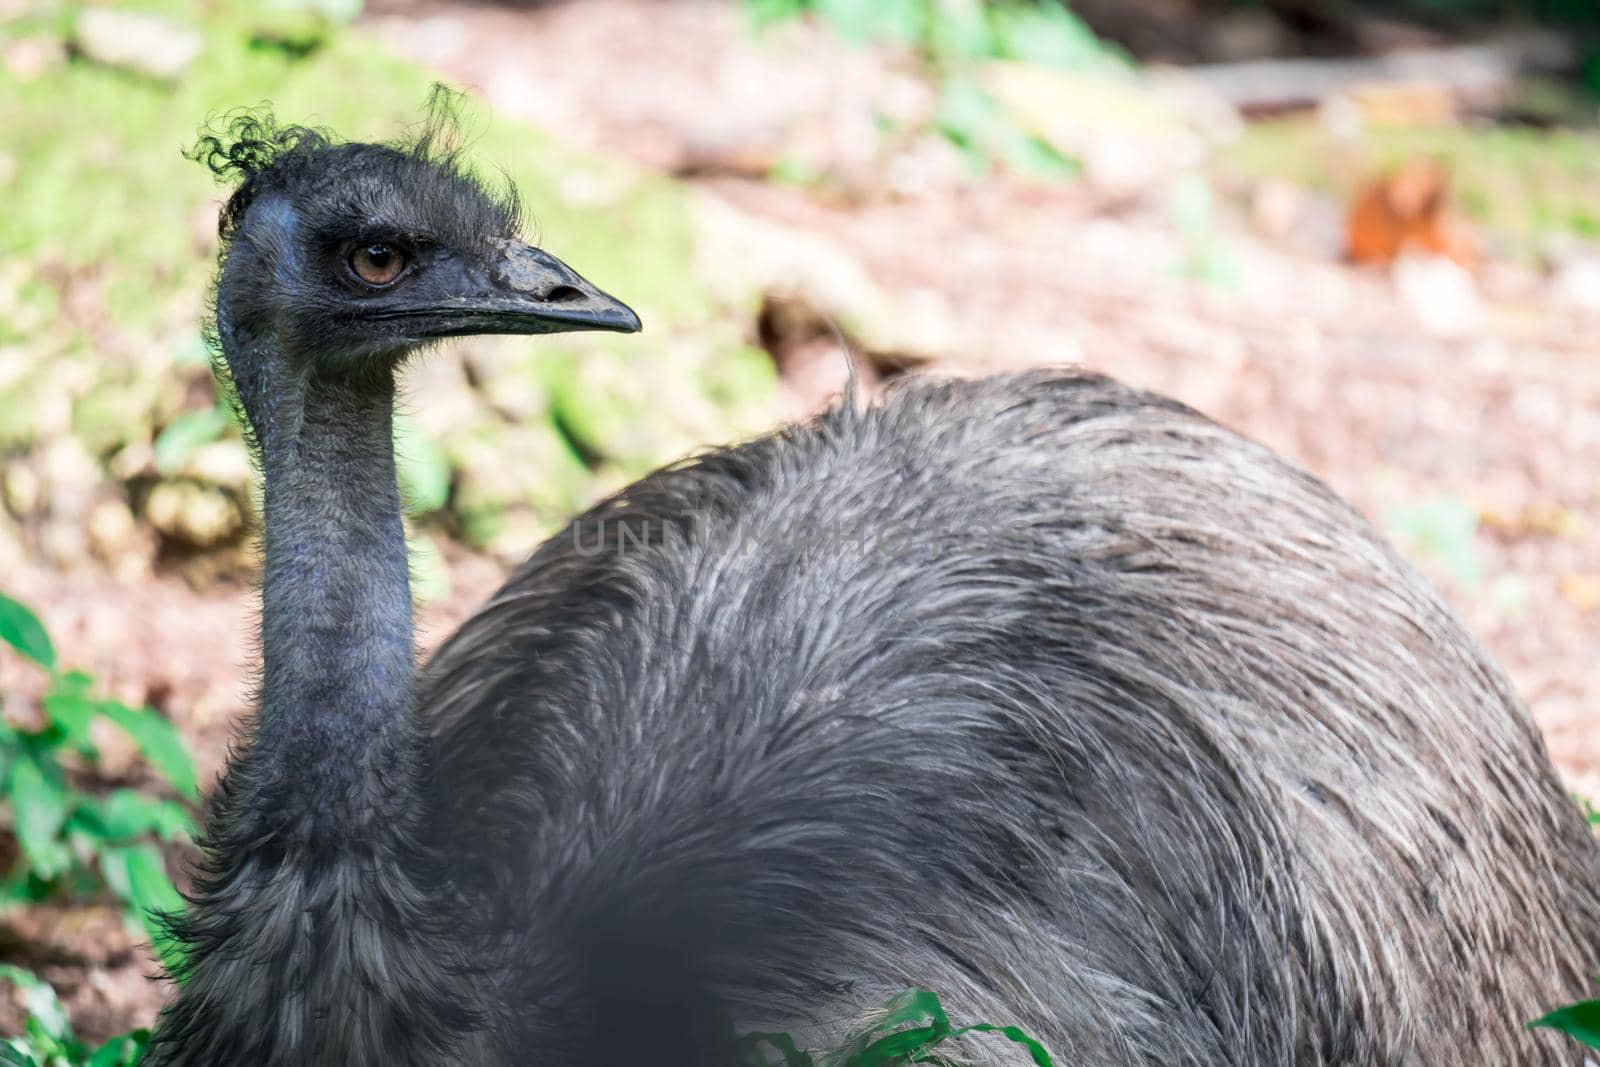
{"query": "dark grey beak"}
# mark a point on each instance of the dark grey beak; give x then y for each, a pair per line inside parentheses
(542, 287)
(523, 290)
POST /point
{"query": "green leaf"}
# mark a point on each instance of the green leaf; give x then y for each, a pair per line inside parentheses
(1580, 1021)
(430, 578)
(40, 1002)
(22, 630)
(122, 1051)
(914, 1006)
(158, 740)
(10, 749)
(38, 799)
(14, 1052)
(422, 467)
(765, 13)
(898, 1047)
(126, 814)
(912, 1026)
(186, 434)
(854, 21)
(24, 887)
(959, 33)
(338, 12)
(73, 712)
(1050, 35)
(138, 876)
(966, 115)
(1036, 1051)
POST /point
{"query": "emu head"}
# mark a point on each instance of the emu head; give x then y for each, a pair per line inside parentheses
(340, 259)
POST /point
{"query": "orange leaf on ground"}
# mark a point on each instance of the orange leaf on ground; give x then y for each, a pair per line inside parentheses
(1407, 210)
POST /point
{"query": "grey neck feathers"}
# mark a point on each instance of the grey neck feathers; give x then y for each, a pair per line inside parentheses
(315, 934)
(333, 756)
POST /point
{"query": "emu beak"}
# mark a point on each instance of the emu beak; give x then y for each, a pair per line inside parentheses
(548, 291)
(526, 290)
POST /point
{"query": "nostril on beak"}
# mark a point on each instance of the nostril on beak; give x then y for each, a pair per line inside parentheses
(563, 294)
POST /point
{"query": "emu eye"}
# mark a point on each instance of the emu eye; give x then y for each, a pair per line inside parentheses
(377, 263)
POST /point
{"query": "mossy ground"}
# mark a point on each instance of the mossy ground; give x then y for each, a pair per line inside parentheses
(109, 243)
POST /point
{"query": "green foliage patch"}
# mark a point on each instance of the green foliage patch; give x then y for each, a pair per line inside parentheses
(911, 1029)
(48, 1040)
(953, 39)
(1580, 1021)
(72, 842)
(109, 246)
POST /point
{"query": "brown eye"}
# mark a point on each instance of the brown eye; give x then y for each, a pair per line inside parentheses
(377, 263)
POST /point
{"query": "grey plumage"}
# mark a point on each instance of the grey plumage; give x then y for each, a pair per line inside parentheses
(1039, 691)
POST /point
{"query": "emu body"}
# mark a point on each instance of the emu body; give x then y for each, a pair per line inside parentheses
(1041, 692)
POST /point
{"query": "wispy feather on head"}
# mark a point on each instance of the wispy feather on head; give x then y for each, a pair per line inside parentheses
(251, 150)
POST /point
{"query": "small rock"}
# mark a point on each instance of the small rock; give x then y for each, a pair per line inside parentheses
(223, 463)
(30, 57)
(1441, 294)
(749, 257)
(1277, 207)
(1131, 133)
(132, 460)
(118, 539)
(136, 41)
(71, 474)
(111, 527)
(518, 534)
(928, 166)
(439, 395)
(11, 553)
(1341, 118)
(64, 543)
(196, 515)
(1582, 591)
(20, 488)
(1577, 283)
(1240, 35)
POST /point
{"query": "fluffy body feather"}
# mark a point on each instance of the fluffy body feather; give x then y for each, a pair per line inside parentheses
(1041, 692)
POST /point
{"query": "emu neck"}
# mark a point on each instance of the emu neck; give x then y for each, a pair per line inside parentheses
(314, 937)
(333, 750)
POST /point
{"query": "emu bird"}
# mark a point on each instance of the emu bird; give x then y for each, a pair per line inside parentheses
(1041, 692)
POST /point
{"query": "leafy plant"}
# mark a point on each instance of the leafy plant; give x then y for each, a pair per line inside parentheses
(188, 433)
(913, 1026)
(48, 1040)
(952, 37)
(72, 842)
(299, 27)
(422, 468)
(948, 33)
(1580, 1021)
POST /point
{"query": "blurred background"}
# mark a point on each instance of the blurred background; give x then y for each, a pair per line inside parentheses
(1366, 234)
